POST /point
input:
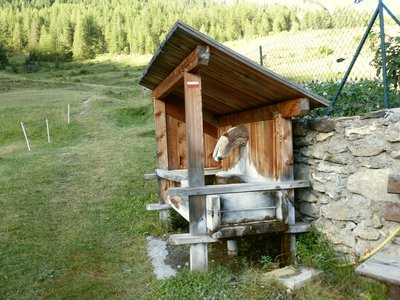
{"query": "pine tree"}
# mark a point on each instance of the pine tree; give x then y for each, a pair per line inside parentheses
(33, 36)
(46, 45)
(79, 45)
(17, 37)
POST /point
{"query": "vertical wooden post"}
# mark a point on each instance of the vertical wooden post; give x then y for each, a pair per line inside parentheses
(160, 118)
(284, 172)
(195, 159)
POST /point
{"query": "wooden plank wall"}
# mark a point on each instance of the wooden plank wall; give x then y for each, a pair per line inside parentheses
(176, 137)
(261, 148)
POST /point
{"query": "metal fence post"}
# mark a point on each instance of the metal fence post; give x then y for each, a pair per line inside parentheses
(383, 53)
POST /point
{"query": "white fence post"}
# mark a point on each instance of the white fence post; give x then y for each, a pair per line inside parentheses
(26, 138)
(48, 131)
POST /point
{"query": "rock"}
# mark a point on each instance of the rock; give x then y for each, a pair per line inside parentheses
(356, 132)
(323, 125)
(395, 154)
(351, 225)
(392, 116)
(337, 144)
(364, 247)
(380, 161)
(375, 114)
(300, 128)
(329, 183)
(309, 209)
(323, 136)
(375, 222)
(324, 199)
(303, 141)
(371, 183)
(393, 133)
(342, 158)
(306, 151)
(328, 167)
(366, 233)
(306, 195)
(319, 151)
(336, 234)
(359, 208)
(336, 211)
(369, 146)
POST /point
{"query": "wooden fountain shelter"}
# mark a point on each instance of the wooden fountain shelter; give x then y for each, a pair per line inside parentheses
(201, 88)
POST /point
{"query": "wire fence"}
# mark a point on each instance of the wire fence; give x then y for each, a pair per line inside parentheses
(318, 55)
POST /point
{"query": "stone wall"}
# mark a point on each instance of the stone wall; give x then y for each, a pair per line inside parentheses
(348, 161)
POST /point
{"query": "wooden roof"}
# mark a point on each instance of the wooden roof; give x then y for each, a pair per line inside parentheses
(230, 82)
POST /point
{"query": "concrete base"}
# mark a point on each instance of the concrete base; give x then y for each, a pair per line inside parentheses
(292, 277)
(232, 247)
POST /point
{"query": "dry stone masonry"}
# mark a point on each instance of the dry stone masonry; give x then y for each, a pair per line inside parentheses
(348, 161)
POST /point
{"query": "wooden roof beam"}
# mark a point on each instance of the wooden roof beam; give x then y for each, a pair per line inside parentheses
(291, 108)
(199, 57)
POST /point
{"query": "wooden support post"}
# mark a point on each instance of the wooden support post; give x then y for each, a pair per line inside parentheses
(284, 172)
(195, 159)
(162, 153)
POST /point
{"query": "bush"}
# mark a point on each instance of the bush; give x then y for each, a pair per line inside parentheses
(356, 98)
(392, 46)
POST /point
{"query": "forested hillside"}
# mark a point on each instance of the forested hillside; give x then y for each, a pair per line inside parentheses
(80, 29)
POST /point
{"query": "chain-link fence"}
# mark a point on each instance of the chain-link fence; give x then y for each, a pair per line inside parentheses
(319, 53)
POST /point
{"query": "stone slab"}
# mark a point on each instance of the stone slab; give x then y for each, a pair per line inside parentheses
(293, 278)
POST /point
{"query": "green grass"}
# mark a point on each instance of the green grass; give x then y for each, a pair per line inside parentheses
(72, 218)
(72, 213)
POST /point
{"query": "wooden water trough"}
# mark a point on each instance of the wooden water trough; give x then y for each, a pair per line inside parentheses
(200, 90)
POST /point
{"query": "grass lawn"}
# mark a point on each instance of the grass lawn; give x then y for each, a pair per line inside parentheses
(72, 218)
(72, 212)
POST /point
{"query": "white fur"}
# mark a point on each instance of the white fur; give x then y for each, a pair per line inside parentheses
(218, 150)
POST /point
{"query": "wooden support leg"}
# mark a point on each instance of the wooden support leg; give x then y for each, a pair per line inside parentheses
(198, 257)
(292, 221)
(284, 172)
(162, 191)
(198, 226)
